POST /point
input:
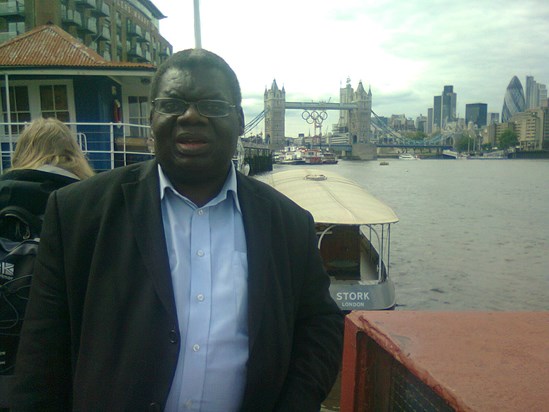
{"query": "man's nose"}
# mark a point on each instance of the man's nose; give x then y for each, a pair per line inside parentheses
(191, 115)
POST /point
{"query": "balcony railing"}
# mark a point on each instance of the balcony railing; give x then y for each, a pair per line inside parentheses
(86, 3)
(102, 10)
(6, 35)
(106, 145)
(136, 50)
(14, 8)
(104, 32)
(70, 16)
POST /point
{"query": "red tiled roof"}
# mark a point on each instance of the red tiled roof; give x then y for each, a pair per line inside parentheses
(51, 46)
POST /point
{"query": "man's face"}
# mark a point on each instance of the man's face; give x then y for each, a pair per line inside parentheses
(192, 148)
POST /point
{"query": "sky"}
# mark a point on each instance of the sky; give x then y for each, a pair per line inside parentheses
(406, 51)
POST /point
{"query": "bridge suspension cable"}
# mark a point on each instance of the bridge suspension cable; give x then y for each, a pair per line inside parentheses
(254, 122)
(380, 124)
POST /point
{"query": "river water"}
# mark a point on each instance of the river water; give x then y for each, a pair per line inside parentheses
(472, 235)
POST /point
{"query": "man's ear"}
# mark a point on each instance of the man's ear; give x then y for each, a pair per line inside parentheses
(241, 121)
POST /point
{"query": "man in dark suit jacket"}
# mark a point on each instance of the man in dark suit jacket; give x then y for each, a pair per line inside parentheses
(102, 329)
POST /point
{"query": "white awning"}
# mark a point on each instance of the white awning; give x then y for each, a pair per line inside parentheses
(330, 197)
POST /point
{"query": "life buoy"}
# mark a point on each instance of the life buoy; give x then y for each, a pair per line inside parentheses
(117, 117)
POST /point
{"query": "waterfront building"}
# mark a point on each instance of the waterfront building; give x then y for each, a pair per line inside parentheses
(495, 130)
(476, 113)
(118, 30)
(528, 126)
(48, 73)
(513, 101)
(421, 124)
(545, 123)
(398, 122)
(82, 68)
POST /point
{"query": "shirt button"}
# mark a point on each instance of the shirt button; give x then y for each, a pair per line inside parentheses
(200, 253)
(200, 212)
(189, 404)
(200, 297)
(196, 347)
(173, 336)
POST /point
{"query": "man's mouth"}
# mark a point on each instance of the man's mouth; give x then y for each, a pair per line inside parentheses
(191, 145)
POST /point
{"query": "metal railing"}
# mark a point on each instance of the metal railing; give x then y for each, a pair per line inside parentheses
(106, 145)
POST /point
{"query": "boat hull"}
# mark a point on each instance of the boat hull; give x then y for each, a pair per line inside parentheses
(354, 296)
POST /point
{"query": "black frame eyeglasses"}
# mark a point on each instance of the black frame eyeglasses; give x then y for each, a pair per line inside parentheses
(172, 106)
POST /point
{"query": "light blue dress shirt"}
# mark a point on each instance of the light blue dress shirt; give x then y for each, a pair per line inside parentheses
(209, 268)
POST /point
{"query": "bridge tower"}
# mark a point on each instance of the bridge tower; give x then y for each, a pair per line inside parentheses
(345, 96)
(359, 118)
(356, 121)
(275, 111)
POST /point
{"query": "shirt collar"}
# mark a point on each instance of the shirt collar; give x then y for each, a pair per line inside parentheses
(229, 189)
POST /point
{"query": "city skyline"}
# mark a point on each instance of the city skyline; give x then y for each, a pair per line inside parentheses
(406, 52)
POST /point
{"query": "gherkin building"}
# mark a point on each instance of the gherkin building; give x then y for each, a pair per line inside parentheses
(514, 101)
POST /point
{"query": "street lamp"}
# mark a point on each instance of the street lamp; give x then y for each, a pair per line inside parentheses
(197, 35)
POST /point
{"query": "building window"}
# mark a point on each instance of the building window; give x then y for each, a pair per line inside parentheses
(139, 115)
(54, 102)
(19, 108)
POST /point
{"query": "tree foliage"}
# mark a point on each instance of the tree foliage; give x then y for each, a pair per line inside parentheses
(417, 135)
(464, 143)
(507, 139)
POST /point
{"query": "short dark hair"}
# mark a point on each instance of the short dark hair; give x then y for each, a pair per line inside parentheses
(193, 58)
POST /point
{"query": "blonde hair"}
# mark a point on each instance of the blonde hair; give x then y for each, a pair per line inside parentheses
(50, 142)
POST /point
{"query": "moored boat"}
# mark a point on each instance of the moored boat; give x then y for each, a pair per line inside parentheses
(353, 229)
(407, 156)
(313, 156)
(329, 158)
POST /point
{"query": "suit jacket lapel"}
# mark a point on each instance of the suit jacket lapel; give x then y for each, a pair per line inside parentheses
(256, 213)
(142, 197)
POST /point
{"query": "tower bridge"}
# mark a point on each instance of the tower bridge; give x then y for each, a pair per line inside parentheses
(356, 118)
(354, 113)
(320, 106)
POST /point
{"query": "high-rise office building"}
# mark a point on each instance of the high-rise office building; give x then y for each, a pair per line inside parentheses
(429, 121)
(542, 90)
(492, 118)
(437, 111)
(531, 98)
(513, 101)
(449, 99)
(536, 93)
(119, 30)
(476, 113)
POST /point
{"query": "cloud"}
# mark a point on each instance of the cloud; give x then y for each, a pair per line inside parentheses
(406, 50)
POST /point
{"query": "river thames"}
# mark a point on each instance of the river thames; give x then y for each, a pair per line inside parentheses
(473, 234)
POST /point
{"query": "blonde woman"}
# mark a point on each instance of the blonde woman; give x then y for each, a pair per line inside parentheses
(46, 158)
(48, 145)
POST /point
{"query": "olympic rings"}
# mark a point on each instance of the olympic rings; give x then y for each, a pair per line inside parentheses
(314, 117)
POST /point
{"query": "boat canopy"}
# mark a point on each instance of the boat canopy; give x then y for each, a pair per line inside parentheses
(331, 198)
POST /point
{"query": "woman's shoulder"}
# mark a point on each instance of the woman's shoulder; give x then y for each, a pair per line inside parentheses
(36, 176)
(30, 189)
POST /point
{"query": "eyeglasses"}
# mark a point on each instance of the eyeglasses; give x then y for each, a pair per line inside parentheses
(176, 107)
